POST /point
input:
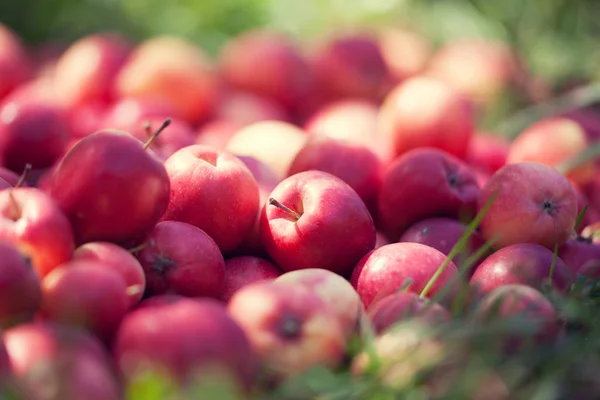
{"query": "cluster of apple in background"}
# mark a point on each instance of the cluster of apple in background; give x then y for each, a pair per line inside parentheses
(247, 216)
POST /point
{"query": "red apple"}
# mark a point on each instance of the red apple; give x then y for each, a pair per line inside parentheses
(119, 260)
(53, 361)
(32, 221)
(386, 270)
(171, 69)
(591, 214)
(275, 143)
(422, 111)
(405, 52)
(182, 338)
(9, 176)
(244, 270)
(335, 291)
(289, 327)
(128, 111)
(15, 64)
(183, 259)
(482, 69)
(86, 119)
(523, 263)
(350, 119)
(582, 256)
(425, 183)
(542, 213)
(268, 64)
(217, 133)
(246, 108)
(443, 234)
(86, 70)
(521, 306)
(351, 65)
(20, 292)
(487, 151)
(31, 132)
(213, 190)
(111, 188)
(85, 294)
(402, 306)
(353, 163)
(551, 142)
(315, 220)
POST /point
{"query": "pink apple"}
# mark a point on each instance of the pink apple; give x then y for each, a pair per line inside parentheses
(405, 52)
(111, 188)
(217, 132)
(335, 291)
(31, 132)
(269, 64)
(85, 294)
(183, 259)
(213, 190)
(170, 69)
(179, 135)
(443, 234)
(32, 221)
(487, 151)
(86, 70)
(386, 270)
(523, 263)
(551, 142)
(52, 361)
(275, 143)
(245, 108)
(315, 220)
(423, 111)
(353, 163)
(183, 337)
(290, 328)
(542, 213)
(127, 111)
(244, 270)
(15, 63)
(351, 65)
(425, 183)
(86, 118)
(118, 259)
(402, 306)
(20, 292)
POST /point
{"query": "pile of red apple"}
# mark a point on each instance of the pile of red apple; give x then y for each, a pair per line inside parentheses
(247, 218)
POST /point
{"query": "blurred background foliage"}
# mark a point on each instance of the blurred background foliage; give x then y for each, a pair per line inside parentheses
(559, 40)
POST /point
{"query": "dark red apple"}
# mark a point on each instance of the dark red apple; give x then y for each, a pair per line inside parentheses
(32, 221)
(315, 220)
(351, 65)
(118, 259)
(443, 234)
(15, 64)
(10, 177)
(422, 111)
(425, 183)
(86, 70)
(184, 338)
(542, 213)
(521, 306)
(85, 294)
(290, 328)
(111, 188)
(582, 256)
(386, 270)
(353, 163)
(213, 190)
(31, 132)
(20, 292)
(522, 263)
(182, 259)
(268, 64)
(243, 270)
(173, 70)
(52, 361)
(403, 306)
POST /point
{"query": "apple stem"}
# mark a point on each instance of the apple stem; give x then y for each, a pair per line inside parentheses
(138, 248)
(24, 174)
(288, 210)
(158, 131)
(16, 210)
